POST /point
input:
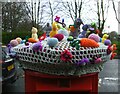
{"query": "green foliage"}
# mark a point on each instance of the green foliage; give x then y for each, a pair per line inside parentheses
(118, 46)
(7, 36)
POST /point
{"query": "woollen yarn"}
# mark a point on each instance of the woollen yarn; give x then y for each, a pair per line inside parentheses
(107, 42)
(85, 42)
(13, 42)
(64, 32)
(94, 37)
(19, 39)
(59, 36)
(36, 46)
(52, 41)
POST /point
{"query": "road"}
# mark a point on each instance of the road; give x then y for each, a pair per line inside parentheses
(108, 78)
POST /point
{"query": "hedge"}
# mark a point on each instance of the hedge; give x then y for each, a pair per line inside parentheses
(7, 36)
(117, 42)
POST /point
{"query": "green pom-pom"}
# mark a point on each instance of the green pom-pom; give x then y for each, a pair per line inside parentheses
(70, 38)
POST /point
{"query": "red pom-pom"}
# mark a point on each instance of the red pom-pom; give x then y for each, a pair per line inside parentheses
(59, 36)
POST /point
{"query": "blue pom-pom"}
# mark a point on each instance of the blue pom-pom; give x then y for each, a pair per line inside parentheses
(52, 41)
(23, 41)
(100, 39)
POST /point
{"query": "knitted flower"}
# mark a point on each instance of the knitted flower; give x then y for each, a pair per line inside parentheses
(66, 56)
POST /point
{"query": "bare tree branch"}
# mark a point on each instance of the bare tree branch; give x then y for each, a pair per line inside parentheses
(115, 11)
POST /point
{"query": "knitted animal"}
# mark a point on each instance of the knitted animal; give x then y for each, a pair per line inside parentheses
(75, 29)
(34, 33)
(54, 30)
(83, 33)
(105, 36)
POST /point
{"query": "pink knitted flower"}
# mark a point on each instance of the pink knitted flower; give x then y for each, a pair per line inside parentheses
(66, 56)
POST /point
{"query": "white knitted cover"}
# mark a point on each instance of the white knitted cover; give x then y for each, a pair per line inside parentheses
(48, 60)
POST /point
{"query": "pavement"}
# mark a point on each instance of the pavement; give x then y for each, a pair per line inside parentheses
(108, 79)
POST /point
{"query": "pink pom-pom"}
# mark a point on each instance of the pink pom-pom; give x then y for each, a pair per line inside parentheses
(13, 43)
(94, 37)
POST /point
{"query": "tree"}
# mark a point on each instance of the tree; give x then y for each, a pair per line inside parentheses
(73, 8)
(102, 11)
(36, 11)
(12, 14)
(53, 8)
(115, 10)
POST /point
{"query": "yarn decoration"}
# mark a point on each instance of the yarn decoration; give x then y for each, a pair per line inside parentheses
(59, 36)
(66, 56)
(85, 42)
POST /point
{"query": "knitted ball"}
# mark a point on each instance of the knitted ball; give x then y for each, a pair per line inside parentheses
(70, 38)
(107, 42)
(63, 31)
(81, 36)
(94, 37)
(19, 39)
(52, 41)
(59, 36)
(13, 43)
(36, 46)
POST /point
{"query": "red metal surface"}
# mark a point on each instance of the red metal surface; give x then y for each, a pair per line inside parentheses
(39, 82)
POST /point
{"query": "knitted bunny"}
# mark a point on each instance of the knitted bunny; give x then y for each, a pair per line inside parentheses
(34, 33)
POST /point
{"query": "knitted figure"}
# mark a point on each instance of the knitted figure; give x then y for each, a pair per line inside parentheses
(54, 30)
(34, 33)
(105, 36)
(83, 33)
(75, 29)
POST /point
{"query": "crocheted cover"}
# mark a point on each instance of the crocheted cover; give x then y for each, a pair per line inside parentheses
(48, 60)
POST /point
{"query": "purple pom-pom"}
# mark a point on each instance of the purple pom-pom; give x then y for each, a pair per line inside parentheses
(37, 46)
(107, 42)
(83, 61)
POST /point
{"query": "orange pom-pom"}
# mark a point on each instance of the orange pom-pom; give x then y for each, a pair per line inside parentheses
(32, 40)
(85, 42)
(72, 28)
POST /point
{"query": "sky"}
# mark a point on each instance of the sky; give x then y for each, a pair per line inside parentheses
(111, 21)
